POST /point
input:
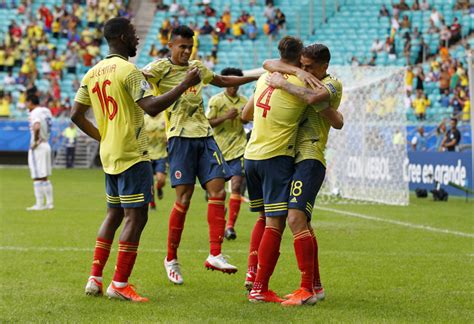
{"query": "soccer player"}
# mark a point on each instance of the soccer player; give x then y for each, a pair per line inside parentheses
(310, 163)
(269, 162)
(192, 150)
(39, 154)
(224, 113)
(116, 90)
(155, 130)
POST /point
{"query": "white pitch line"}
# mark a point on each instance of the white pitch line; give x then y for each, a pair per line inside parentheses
(391, 221)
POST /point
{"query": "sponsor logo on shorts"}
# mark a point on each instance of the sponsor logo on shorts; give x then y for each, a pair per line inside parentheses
(178, 174)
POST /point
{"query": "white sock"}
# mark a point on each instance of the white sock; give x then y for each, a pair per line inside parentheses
(39, 192)
(120, 284)
(48, 190)
(99, 279)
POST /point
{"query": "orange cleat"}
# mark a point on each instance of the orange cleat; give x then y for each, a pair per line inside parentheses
(300, 297)
(256, 296)
(126, 293)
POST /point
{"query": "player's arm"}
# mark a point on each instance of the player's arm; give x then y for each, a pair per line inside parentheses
(224, 81)
(247, 112)
(334, 117)
(282, 67)
(230, 114)
(310, 96)
(154, 105)
(78, 117)
(36, 131)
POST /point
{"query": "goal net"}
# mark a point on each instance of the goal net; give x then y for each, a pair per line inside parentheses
(365, 159)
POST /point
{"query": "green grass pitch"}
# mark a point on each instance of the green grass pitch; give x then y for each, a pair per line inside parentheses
(373, 271)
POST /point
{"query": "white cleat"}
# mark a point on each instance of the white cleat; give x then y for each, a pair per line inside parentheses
(319, 293)
(93, 287)
(50, 206)
(36, 208)
(173, 271)
(219, 263)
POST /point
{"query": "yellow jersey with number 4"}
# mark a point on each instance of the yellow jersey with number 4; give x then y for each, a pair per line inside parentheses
(112, 87)
(275, 122)
(185, 117)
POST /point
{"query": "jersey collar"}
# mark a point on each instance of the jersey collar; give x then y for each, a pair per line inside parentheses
(116, 55)
(234, 100)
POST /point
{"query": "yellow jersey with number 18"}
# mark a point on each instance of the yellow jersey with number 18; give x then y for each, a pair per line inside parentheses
(112, 87)
(275, 121)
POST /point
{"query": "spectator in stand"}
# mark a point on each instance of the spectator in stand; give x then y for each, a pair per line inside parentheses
(452, 138)
(405, 23)
(71, 61)
(354, 61)
(208, 11)
(416, 5)
(407, 48)
(9, 79)
(384, 12)
(3, 54)
(237, 29)
(280, 19)
(175, 23)
(458, 101)
(221, 28)
(206, 29)
(445, 99)
(377, 46)
(269, 11)
(395, 24)
(436, 17)
(70, 134)
(440, 134)
(455, 30)
(418, 142)
(462, 5)
(433, 29)
(227, 19)
(177, 9)
(408, 100)
(444, 80)
(252, 30)
(402, 6)
(423, 51)
(5, 102)
(420, 104)
(420, 77)
(209, 62)
(372, 61)
(270, 28)
(425, 5)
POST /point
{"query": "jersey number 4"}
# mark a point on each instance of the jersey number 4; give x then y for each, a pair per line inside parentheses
(266, 94)
(105, 100)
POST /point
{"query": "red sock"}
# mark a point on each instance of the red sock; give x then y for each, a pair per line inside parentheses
(304, 250)
(317, 278)
(255, 239)
(175, 229)
(234, 208)
(101, 254)
(125, 260)
(216, 221)
(268, 254)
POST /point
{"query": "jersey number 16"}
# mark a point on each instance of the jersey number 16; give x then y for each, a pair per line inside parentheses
(105, 100)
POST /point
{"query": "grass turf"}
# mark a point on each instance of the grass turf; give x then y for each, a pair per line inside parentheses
(372, 271)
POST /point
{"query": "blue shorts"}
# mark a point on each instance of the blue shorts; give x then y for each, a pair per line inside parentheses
(305, 185)
(131, 188)
(159, 166)
(195, 157)
(236, 166)
(268, 184)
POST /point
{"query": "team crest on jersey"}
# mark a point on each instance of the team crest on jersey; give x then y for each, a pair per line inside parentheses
(177, 174)
(144, 85)
(332, 88)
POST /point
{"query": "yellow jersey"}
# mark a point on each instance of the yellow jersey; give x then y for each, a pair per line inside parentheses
(156, 132)
(275, 122)
(420, 105)
(185, 117)
(229, 135)
(313, 131)
(112, 87)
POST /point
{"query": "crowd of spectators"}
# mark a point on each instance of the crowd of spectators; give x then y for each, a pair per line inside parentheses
(226, 28)
(31, 48)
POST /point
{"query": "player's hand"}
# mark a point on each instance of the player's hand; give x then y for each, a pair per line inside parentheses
(34, 145)
(147, 74)
(192, 78)
(275, 80)
(232, 113)
(309, 79)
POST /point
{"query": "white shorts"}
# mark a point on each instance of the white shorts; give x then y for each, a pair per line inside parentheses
(39, 161)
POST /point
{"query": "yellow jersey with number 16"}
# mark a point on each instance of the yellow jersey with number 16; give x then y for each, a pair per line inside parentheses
(275, 122)
(112, 87)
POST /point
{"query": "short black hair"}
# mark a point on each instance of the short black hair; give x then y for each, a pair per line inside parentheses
(290, 48)
(232, 71)
(116, 27)
(317, 52)
(183, 31)
(455, 120)
(34, 99)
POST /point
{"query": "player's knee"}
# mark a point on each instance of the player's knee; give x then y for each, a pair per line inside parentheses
(236, 185)
(297, 222)
(217, 193)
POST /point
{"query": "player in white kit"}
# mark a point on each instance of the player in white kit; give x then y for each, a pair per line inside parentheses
(39, 154)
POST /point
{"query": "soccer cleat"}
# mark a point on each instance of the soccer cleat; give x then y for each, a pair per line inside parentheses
(219, 263)
(319, 292)
(256, 296)
(152, 205)
(159, 193)
(50, 206)
(173, 271)
(126, 293)
(36, 208)
(249, 280)
(93, 287)
(230, 234)
(300, 297)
